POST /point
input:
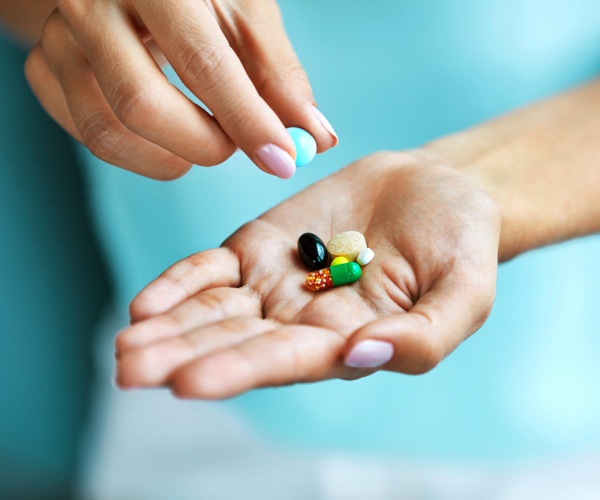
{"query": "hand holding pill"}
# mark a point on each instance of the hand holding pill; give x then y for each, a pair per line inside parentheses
(94, 73)
(239, 317)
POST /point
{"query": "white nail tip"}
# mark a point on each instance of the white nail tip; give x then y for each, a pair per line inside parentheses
(365, 256)
(325, 122)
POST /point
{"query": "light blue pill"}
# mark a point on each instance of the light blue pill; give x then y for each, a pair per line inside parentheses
(306, 146)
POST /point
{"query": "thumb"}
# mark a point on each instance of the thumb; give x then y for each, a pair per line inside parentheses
(416, 341)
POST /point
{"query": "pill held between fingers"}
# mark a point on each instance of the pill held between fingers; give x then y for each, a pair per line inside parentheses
(365, 256)
(342, 274)
(312, 251)
(306, 146)
(347, 244)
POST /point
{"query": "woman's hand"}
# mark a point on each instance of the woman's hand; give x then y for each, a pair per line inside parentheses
(95, 72)
(228, 320)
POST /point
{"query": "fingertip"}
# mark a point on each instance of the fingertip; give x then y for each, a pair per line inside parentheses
(123, 379)
(118, 385)
(137, 368)
(140, 334)
(194, 383)
(215, 148)
(289, 95)
(169, 171)
(158, 297)
(31, 63)
(329, 139)
(369, 353)
(218, 376)
(121, 341)
(404, 343)
(140, 308)
(277, 161)
(308, 119)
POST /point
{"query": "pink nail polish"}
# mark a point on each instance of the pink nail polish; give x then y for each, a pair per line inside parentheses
(277, 160)
(325, 122)
(370, 354)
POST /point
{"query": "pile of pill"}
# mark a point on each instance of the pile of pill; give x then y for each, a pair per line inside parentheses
(347, 252)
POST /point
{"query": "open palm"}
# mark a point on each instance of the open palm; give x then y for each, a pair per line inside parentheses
(228, 320)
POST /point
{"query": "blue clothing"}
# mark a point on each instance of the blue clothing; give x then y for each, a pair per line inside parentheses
(48, 259)
(394, 75)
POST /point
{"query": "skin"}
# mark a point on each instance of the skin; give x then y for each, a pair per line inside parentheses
(240, 323)
(96, 71)
(226, 321)
(25, 18)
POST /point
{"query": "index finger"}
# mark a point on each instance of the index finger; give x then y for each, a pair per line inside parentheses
(190, 37)
(218, 267)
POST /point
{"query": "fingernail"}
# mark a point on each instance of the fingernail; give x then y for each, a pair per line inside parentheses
(370, 354)
(325, 122)
(277, 160)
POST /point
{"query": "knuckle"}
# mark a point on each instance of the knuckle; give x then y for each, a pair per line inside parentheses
(291, 73)
(174, 276)
(201, 60)
(238, 121)
(137, 106)
(296, 72)
(100, 136)
(107, 139)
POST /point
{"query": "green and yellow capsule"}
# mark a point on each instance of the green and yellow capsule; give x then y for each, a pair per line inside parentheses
(342, 274)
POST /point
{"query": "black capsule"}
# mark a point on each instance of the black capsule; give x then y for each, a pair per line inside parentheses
(312, 251)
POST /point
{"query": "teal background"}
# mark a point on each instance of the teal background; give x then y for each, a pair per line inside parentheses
(52, 288)
(390, 75)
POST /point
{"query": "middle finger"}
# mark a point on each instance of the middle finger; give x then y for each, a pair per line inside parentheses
(139, 93)
(202, 309)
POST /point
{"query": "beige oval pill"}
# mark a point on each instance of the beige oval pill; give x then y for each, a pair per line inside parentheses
(347, 244)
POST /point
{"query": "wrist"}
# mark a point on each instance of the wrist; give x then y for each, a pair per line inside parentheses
(540, 165)
(471, 155)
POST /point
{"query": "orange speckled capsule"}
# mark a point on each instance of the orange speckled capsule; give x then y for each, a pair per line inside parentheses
(341, 274)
